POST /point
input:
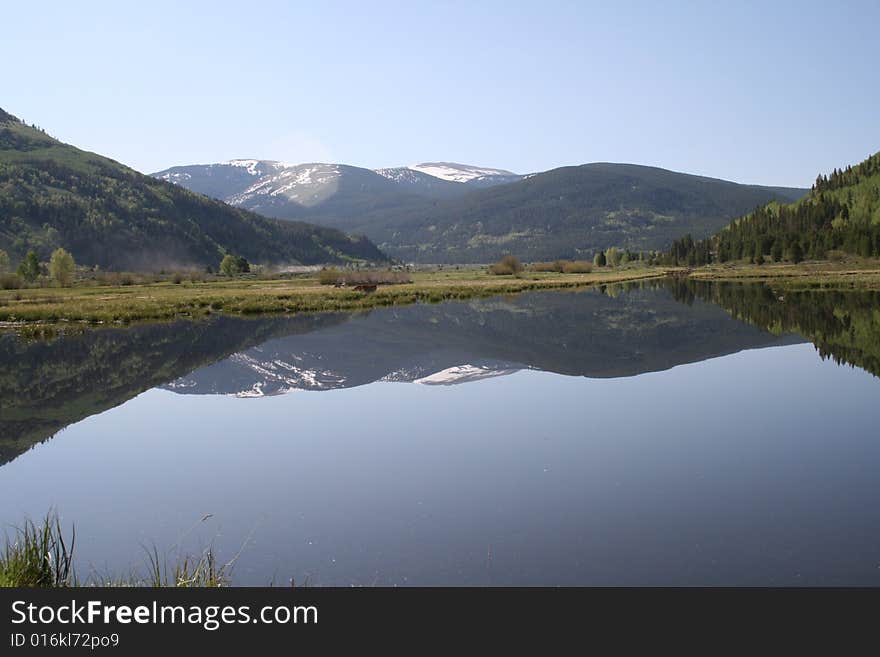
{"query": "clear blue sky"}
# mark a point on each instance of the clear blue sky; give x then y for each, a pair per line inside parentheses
(763, 92)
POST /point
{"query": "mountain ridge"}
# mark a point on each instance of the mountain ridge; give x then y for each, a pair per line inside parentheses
(422, 213)
(54, 195)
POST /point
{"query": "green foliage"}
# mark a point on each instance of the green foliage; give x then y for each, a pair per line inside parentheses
(4, 262)
(612, 256)
(29, 268)
(109, 215)
(600, 260)
(188, 572)
(232, 265)
(841, 213)
(37, 555)
(62, 267)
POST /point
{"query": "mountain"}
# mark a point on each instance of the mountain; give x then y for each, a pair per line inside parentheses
(445, 212)
(331, 194)
(566, 213)
(412, 181)
(841, 213)
(53, 194)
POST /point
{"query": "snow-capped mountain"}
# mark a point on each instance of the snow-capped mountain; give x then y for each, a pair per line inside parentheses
(336, 191)
(423, 184)
(305, 184)
(466, 173)
(222, 179)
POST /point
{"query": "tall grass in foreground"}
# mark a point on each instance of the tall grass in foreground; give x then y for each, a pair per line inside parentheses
(188, 572)
(38, 556)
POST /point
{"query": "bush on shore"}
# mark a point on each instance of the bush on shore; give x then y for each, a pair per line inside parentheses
(509, 265)
(333, 276)
(563, 267)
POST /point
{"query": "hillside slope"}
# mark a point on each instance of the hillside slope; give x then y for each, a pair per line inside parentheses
(447, 212)
(53, 194)
(841, 213)
(565, 213)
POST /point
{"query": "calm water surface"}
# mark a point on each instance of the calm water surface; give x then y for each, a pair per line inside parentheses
(624, 436)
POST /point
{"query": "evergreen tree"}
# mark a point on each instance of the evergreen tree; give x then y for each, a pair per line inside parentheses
(776, 250)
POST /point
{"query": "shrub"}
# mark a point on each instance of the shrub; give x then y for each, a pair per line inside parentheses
(507, 266)
(564, 266)
(10, 282)
(330, 276)
(577, 267)
(548, 266)
(4, 262)
(599, 260)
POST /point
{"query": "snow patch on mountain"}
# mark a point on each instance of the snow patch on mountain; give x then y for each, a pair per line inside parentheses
(251, 166)
(307, 184)
(462, 374)
(459, 172)
(175, 177)
(401, 174)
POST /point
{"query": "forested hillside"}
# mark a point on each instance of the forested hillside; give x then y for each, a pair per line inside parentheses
(55, 195)
(841, 213)
(570, 212)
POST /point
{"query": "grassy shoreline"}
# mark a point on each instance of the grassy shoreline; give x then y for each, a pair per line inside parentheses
(166, 301)
(103, 305)
(804, 276)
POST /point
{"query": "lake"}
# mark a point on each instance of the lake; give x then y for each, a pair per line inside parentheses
(662, 433)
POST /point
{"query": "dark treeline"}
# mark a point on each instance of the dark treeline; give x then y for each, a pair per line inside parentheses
(841, 213)
(842, 324)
